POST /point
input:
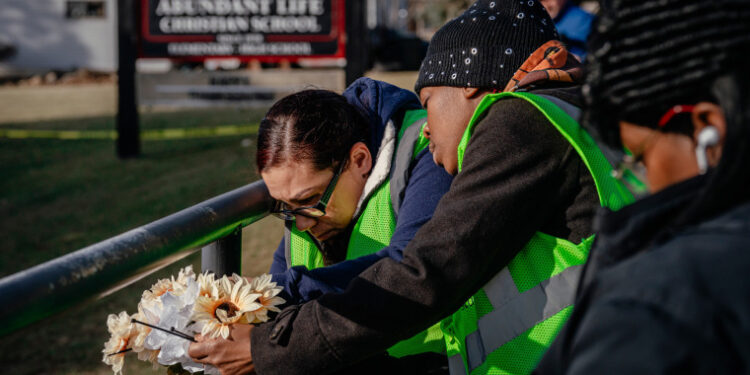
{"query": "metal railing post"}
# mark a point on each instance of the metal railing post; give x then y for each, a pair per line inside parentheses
(223, 256)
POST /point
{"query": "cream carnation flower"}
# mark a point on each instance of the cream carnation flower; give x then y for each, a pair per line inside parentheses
(122, 331)
(175, 286)
(268, 298)
(145, 353)
(148, 355)
(184, 274)
(227, 304)
(151, 295)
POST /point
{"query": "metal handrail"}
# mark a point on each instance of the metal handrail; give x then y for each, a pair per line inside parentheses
(37, 292)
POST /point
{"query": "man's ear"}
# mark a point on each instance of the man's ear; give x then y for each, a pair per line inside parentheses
(471, 92)
(710, 114)
(360, 160)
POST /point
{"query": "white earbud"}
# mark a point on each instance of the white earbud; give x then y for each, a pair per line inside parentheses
(708, 137)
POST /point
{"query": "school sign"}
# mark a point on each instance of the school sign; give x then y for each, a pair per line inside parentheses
(265, 30)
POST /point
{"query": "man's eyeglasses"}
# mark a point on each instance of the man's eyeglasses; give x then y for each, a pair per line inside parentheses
(282, 211)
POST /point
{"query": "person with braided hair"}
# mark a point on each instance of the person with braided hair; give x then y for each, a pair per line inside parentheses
(666, 286)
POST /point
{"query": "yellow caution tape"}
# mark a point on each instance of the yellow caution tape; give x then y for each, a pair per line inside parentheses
(146, 135)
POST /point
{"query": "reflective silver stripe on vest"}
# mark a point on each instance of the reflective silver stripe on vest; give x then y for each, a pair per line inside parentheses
(475, 354)
(288, 243)
(501, 289)
(402, 160)
(456, 365)
(514, 316)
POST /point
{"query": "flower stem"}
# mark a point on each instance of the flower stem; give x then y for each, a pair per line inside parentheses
(183, 334)
(171, 331)
(120, 352)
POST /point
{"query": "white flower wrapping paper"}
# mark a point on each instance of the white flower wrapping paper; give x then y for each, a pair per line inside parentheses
(184, 306)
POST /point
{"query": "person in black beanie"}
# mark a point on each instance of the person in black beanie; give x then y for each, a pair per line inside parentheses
(666, 286)
(501, 255)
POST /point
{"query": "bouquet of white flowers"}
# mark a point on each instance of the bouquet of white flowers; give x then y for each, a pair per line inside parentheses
(173, 310)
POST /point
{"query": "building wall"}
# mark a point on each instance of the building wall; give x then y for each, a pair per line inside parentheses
(46, 39)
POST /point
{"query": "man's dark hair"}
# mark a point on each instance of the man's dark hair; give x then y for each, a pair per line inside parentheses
(318, 126)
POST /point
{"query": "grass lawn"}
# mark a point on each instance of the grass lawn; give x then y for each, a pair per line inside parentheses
(57, 196)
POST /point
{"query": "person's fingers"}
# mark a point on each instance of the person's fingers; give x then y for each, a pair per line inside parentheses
(203, 361)
(198, 351)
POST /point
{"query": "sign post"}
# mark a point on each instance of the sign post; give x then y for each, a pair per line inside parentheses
(356, 41)
(128, 136)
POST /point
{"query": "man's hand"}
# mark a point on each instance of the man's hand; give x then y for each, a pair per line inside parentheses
(232, 356)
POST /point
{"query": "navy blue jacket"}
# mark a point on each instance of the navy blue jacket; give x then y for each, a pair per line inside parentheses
(427, 184)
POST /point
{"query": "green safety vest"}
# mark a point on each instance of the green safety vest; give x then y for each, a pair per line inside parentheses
(375, 226)
(507, 325)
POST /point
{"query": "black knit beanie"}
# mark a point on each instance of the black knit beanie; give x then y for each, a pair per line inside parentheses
(485, 45)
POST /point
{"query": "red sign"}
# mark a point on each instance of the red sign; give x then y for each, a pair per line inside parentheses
(265, 30)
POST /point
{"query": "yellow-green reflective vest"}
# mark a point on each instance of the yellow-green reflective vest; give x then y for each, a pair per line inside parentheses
(507, 325)
(375, 226)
